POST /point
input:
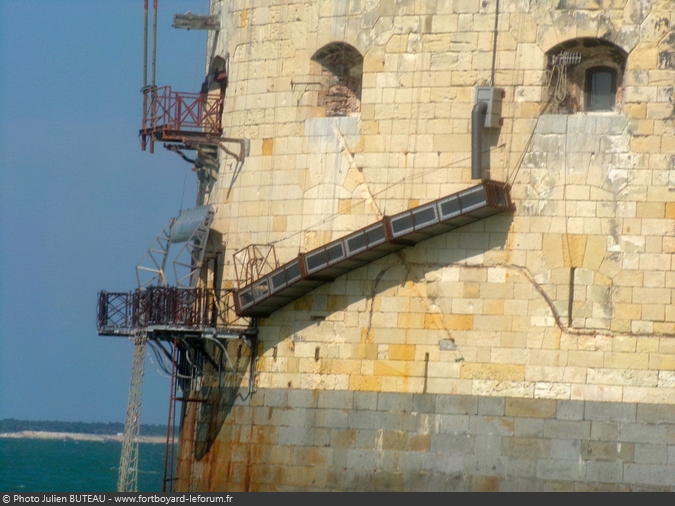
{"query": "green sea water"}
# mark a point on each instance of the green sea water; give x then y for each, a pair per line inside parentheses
(43, 465)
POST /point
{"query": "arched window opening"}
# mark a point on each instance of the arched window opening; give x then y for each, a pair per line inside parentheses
(585, 74)
(341, 75)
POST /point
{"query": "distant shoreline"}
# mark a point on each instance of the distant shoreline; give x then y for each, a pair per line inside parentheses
(38, 434)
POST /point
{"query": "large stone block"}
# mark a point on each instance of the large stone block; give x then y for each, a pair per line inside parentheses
(567, 429)
(610, 412)
(424, 403)
(491, 406)
(458, 404)
(396, 402)
(571, 470)
(655, 413)
(648, 474)
(531, 408)
(605, 450)
(453, 424)
(336, 399)
(528, 427)
(491, 425)
(362, 459)
(565, 449)
(651, 454)
(452, 444)
(570, 410)
(647, 433)
(342, 438)
(604, 472)
(498, 372)
(333, 418)
(526, 447)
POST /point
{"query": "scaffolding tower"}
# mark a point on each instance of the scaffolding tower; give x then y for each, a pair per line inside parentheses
(174, 320)
(127, 478)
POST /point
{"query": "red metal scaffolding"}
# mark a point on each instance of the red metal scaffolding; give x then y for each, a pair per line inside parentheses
(167, 308)
(188, 118)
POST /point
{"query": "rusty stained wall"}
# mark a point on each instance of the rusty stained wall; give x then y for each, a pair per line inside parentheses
(201, 449)
(304, 440)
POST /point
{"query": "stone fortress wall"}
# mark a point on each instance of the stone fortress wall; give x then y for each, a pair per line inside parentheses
(532, 350)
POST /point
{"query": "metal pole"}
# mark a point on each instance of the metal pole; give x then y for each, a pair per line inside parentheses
(153, 86)
(144, 89)
(145, 45)
(494, 44)
(171, 425)
(154, 41)
(477, 125)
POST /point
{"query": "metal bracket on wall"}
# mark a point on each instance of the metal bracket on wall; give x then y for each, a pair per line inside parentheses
(244, 147)
(190, 21)
(305, 83)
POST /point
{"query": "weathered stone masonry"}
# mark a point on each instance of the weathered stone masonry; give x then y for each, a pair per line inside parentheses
(532, 350)
(293, 439)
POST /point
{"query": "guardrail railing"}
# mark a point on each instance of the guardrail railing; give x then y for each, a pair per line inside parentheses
(172, 116)
(119, 313)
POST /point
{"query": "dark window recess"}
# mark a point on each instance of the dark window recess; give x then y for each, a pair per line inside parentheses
(424, 216)
(335, 252)
(451, 207)
(341, 76)
(246, 297)
(279, 279)
(293, 272)
(600, 89)
(585, 74)
(375, 235)
(317, 260)
(357, 243)
(402, 224)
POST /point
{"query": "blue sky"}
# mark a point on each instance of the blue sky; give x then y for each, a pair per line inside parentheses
(80, 203)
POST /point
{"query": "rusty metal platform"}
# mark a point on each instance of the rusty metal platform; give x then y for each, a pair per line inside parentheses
(188, 118)
(168, 311)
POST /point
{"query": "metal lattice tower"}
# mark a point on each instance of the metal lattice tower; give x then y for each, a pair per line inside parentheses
(159, 312)
(127, 479)
(182, 311)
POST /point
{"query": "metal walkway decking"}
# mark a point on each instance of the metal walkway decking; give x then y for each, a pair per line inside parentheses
(321, 265)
